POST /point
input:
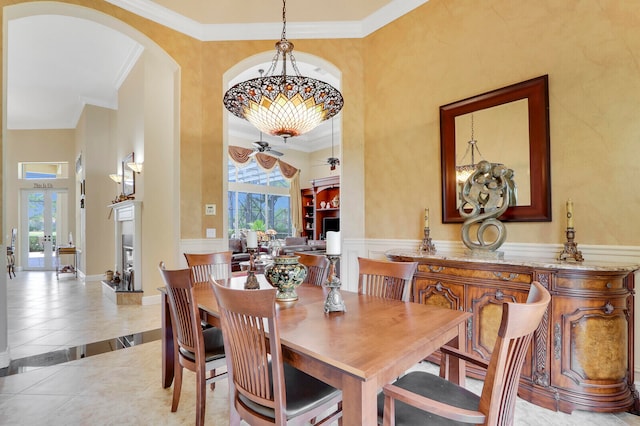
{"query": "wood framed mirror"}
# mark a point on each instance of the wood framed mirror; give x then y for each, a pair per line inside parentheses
(128, 176)
(509, 126)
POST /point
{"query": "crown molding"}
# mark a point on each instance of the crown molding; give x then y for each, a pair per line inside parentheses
(266, 31)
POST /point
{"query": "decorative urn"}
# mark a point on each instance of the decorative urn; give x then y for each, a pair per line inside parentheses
(285, 274)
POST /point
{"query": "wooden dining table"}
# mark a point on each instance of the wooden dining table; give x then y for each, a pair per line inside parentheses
(358, 351)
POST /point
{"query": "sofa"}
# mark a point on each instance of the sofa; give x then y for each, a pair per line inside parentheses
(294, 244)
(238, 248)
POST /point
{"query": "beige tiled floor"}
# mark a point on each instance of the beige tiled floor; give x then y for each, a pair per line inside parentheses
(124, 387)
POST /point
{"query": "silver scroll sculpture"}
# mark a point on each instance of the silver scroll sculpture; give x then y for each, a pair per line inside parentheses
(485, 196)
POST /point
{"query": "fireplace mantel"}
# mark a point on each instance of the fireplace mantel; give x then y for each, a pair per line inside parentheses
(128, 219)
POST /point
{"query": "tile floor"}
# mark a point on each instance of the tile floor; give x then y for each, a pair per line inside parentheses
(123, 387)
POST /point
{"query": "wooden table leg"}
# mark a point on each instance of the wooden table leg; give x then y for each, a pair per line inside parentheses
(168, 344)
(359, 401)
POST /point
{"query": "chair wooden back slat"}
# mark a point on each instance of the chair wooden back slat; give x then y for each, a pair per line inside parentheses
(203, 265)
(391, 280)
(185, 316)
(246, 322)
(317, 267)
(519, 322)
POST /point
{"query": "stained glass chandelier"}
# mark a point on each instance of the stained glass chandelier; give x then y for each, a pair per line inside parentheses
(280, 104)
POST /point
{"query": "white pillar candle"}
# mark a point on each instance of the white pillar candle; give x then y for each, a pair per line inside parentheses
(252, 239)
(569, 213)
(333, 242)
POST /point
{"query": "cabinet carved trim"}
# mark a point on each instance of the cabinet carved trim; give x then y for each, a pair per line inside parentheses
(437, 293)
(581, 356)
(557, 340)
(541, 336)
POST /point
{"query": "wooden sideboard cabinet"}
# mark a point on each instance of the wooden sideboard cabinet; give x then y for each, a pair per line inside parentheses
(581, 356)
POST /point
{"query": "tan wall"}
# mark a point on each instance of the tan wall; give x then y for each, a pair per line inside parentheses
(95, 134)
(441, 52)
(447, 50)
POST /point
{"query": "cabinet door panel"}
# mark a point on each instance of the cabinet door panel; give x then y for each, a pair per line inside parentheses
(590, 342)
(486, 305)
(438, 293)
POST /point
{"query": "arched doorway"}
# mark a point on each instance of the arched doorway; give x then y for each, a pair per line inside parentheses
(309, 152)
(151, 131)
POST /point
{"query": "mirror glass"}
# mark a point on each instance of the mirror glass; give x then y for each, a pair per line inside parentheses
(508, 126)
(506, 132)
(128, 177)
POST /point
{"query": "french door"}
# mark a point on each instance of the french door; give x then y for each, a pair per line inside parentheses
(44, 224)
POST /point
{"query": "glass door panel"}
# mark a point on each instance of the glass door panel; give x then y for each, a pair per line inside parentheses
(44, 225)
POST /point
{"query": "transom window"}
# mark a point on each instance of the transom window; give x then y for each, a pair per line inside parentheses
(43, 170)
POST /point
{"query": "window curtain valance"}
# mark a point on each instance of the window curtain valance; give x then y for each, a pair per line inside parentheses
(240, 156)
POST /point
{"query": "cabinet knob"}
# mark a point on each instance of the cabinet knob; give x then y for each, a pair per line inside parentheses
(609, 285)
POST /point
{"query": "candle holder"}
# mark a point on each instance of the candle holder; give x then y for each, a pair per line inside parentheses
(571, 251)
(427, 246)
(252, 281)
(334, 302)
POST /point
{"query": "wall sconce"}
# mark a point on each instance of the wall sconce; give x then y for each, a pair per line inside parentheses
(116, 178)
(136, 167)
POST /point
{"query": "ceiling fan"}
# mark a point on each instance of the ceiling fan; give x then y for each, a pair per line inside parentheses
(332, 161)
(264, 148)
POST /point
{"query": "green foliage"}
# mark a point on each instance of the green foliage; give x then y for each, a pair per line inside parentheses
(258, 225)
(35, 241)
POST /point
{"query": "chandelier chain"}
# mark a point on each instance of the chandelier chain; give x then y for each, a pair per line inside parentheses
(284, 20)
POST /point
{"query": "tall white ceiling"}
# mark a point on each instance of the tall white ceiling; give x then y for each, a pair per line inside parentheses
(57, 64)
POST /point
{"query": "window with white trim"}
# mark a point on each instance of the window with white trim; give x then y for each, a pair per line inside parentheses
(258, 199)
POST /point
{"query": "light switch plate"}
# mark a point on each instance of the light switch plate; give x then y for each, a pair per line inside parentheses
(210, 209)
(211, 232)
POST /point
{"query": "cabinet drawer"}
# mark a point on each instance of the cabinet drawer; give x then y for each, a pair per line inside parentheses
(595, 283)
(505, 275)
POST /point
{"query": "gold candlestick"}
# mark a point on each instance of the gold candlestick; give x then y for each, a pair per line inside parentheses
(571, 251)
(427, 246)
(252, 281)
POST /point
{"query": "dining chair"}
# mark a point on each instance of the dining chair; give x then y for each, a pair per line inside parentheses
(198, 350)
(264, 389)
(216, 264)
(203, 265)
(430, 399)
(317, 267)
(383, 278)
